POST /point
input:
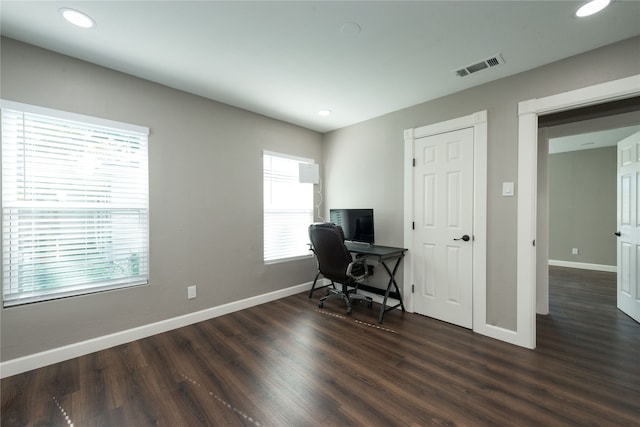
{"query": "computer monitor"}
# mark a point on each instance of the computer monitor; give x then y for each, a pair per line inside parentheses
(357, 224)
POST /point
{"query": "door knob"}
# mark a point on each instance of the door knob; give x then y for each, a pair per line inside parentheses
(617, 233)
(466, 238)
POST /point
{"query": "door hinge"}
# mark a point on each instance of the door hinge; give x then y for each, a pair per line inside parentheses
(413, 225)
(414, 162)
(534, 243)
(413, 289)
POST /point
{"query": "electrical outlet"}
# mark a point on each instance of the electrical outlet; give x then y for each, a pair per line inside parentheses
(574, 251)
(191, 292)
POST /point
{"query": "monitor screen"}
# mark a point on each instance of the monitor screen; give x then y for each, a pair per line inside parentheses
(357, 224)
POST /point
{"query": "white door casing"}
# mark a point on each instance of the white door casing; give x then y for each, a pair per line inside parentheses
(443, 214)
(528, 111)
(478, 122)
(628, 245)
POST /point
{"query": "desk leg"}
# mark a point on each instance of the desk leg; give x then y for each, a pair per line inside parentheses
(392, 282)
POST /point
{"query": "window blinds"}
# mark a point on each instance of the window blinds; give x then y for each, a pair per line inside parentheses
(74, 204)
(288, 208)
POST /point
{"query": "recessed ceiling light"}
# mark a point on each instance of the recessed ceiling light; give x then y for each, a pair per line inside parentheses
(594, 6)
(324, 112)
(77, 18)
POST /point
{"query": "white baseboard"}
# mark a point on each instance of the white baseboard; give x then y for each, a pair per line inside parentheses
(584, 265)
(55, 355)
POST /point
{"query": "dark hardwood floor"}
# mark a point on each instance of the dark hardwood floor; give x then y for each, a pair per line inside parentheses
(288, 363)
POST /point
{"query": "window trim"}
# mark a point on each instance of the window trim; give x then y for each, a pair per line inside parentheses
(97, 123)
(299, 159)
(66, 115)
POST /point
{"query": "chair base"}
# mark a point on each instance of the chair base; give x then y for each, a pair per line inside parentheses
(313, 287)
(346, 296)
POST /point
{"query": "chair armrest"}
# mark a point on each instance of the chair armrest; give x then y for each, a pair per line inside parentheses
(365, 269)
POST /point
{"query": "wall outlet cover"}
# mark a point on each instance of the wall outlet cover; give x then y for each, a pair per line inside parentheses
(191, 292)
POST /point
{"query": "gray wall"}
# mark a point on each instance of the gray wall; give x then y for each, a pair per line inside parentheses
(206, 184)
(375, 179)
(205, 166)
(582, 206)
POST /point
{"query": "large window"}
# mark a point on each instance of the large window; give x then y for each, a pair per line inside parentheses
(288, 208)
(74, 204)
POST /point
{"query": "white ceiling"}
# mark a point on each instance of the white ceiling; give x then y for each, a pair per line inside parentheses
(597, 132)
(289, 59)
(587, 141)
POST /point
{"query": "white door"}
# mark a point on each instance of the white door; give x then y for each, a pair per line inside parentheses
(443, 248)
(629, 226)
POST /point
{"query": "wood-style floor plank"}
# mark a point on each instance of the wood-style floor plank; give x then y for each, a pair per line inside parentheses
(288, 363)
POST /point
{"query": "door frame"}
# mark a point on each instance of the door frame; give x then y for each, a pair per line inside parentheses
(477, 121)
(528, 112)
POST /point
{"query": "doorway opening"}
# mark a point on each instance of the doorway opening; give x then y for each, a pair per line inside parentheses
(577, 195)
(529, 112)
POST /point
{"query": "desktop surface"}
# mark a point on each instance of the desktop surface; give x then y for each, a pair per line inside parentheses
(372, 249)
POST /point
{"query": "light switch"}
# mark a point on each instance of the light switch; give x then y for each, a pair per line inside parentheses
(507, 189)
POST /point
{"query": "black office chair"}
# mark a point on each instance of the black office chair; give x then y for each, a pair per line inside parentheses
(315, 279)
(336, 264)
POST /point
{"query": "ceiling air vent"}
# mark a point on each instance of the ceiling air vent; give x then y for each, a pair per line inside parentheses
(492, 61)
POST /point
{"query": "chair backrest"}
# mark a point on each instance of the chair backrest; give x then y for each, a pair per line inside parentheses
(333, 256)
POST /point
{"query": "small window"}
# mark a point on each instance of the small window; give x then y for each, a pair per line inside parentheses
(288, 208)
(74, 204)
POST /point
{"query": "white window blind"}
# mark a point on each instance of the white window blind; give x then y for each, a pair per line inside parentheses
(74, 204)
(288, 208)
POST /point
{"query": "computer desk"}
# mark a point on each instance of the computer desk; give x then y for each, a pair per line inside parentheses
(382, 254)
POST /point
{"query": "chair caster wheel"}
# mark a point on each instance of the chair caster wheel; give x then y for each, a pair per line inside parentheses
(348, 310)
(320, 304)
